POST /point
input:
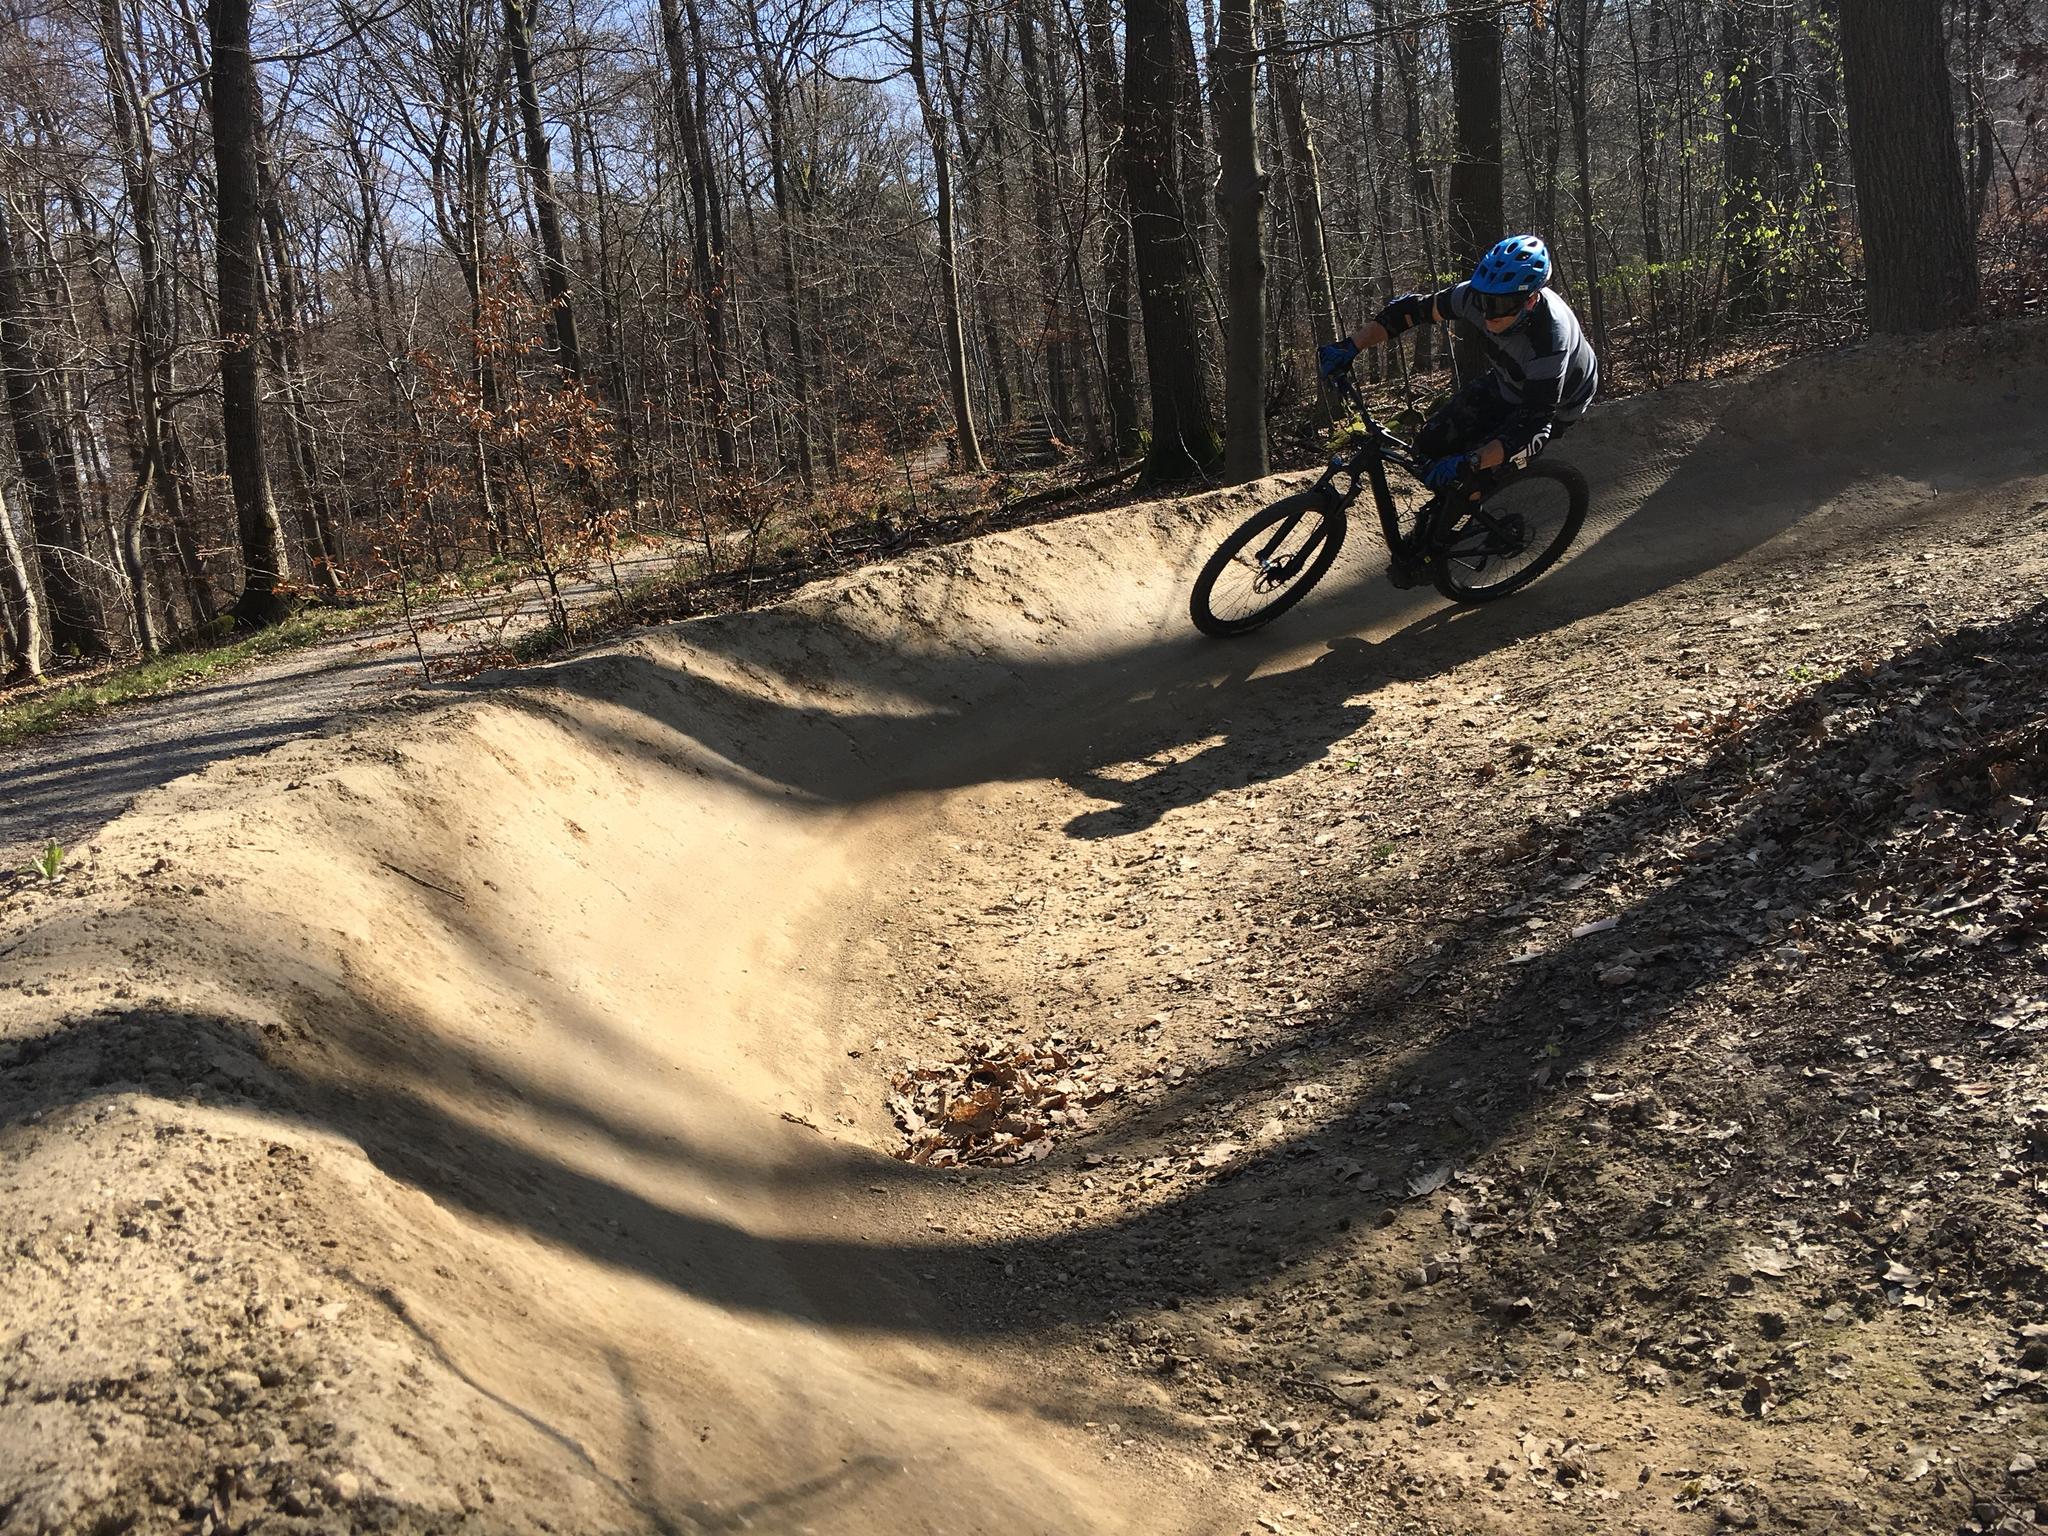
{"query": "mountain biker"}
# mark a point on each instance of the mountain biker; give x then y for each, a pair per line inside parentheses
(1544, 373)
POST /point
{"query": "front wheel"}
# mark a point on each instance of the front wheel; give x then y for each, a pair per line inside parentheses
(1515, 532)
(1268, 564)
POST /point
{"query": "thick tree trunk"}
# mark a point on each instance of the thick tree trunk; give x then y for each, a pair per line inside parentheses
(1476, 212)
(554, 264)
(237, 114)
(1920, 262)
(952, 334)
(1241, 194)
(1184, 439)
(54, 520)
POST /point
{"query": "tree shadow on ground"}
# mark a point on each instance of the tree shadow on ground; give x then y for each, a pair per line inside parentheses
(1180, 1249)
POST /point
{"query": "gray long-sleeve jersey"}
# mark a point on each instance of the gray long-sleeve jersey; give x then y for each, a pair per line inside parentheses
(1543, 365)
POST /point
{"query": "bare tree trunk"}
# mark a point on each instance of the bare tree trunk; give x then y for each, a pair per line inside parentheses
(1241, 194)
(24, 606)
(799, 367)
(1649, 177)
(987, 281)
(1476, 211)
(1583, 18)
(953, 337)
(1920, 263)
(1184, 439)
(1983, 143)
(1305, 178)
(237, 114)
(135, 562)
(1051, 327)
(54, 520)
(1421, 182)
(1116, 241)
(554, 265)
(286, 316)
(1743, 161)
(688, 91)
(1543, 45)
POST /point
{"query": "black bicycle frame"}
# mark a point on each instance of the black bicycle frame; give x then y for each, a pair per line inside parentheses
(1380, 448)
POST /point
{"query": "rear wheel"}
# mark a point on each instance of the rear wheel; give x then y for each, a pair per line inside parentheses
(1268, 564)
(1510, 536)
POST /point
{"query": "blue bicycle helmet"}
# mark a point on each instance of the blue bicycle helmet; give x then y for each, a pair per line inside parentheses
(1519, 264)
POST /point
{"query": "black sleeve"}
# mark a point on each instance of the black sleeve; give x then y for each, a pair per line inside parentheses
(1411, 310)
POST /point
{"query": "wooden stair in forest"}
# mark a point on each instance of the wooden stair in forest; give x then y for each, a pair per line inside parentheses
(1031, 446)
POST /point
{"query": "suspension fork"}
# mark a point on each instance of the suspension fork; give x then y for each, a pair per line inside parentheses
(1383, 501)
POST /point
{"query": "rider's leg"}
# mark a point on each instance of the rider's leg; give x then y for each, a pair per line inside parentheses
(1464, 421)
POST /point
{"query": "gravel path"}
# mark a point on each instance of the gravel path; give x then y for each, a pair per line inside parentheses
(70, 784)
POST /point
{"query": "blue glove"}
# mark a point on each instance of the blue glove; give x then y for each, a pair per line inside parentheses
(1333, 358)
(1447, 472)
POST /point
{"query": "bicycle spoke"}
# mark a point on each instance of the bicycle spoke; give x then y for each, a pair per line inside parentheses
(1505, 539)
(1267, 566)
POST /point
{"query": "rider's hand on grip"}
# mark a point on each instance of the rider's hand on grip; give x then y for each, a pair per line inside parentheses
(1448, 471)
(1334, 358)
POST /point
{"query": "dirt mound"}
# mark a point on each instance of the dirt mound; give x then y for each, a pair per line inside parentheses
(480, 1120)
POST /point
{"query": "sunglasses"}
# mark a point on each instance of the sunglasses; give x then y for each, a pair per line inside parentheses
(1498, 306)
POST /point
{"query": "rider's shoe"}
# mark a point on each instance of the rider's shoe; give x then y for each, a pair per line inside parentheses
(1405, 573)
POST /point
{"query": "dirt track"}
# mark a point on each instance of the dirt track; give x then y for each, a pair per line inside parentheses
(69, 784)
(479, 1120)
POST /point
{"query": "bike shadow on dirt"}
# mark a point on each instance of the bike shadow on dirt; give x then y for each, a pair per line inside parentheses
(999, 715)
(778, 700)
(1233, 758)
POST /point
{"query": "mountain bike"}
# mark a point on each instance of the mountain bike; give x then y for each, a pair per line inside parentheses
(1491, 534)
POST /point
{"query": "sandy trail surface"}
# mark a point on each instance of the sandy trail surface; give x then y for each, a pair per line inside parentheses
(479, 1119)
(69, 784)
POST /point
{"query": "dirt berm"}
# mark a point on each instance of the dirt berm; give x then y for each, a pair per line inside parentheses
(476, 1120)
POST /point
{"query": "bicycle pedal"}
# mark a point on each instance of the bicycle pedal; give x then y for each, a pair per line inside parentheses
(1407, 573)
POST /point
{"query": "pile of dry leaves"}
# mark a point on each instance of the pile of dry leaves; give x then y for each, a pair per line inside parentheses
(996, 1104)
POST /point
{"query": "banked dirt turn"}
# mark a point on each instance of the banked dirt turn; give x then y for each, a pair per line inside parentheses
(478, 1120)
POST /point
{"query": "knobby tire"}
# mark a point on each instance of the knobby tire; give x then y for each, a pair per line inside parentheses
(1463, 543)
(1307, 553)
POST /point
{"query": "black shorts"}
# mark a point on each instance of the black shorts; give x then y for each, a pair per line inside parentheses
(1476, 415)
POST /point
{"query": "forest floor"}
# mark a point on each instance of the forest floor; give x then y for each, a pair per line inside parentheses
(1578, 1065)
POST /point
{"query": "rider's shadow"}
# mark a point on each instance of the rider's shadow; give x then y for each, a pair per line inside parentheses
(1312, 710)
